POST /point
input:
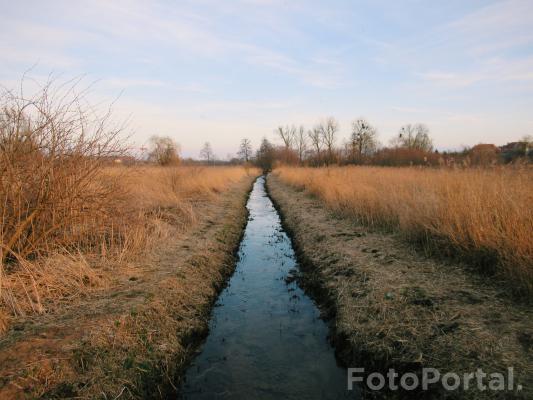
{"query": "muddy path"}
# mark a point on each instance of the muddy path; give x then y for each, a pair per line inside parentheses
(266, 340)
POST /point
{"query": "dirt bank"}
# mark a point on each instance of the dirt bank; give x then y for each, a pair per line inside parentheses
(134, 339)
(391, 307)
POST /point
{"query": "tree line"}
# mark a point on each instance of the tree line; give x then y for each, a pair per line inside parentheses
(412, 145)
(321, 145)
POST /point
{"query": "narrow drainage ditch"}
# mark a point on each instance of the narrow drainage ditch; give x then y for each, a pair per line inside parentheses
(266, 338)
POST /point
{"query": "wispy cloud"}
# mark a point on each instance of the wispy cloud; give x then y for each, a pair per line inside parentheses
(248, 64)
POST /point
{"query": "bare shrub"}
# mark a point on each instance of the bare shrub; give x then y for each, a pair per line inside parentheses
(52, 149)
(159, 203)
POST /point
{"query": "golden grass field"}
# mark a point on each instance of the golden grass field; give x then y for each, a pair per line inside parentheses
(482, 215)
(146, 202)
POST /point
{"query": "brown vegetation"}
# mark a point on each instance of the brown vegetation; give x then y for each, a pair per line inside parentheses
(483, 216)
(51, 155)
(392, 307)
(132, 336)
(90, 252)
(146, 200)
(65, 213)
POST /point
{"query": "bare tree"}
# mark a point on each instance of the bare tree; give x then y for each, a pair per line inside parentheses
(328, 132)
(287, 134)
(163, 150)
(414, 137)
(207, 153)
(245, 150)
(265, 156)
(316, 141)
(362, 140)
(300, 140)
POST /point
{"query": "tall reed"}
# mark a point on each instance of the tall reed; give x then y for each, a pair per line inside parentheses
(484, 216)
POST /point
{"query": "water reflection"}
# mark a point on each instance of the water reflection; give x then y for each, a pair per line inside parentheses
(266, 338)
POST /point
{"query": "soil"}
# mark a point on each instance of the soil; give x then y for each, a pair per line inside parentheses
(134, 339)
(390, 306)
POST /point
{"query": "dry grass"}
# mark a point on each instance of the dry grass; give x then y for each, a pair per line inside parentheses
(149, 203)
(484, 216)
(76, 230)
(394, 308)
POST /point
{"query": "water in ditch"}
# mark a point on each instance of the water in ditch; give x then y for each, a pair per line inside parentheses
(266, 339)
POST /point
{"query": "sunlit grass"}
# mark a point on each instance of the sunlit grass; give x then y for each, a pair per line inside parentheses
(149, 204)
(482, 216)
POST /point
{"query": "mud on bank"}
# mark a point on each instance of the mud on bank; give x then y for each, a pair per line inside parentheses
(390, 307)
(134, 340)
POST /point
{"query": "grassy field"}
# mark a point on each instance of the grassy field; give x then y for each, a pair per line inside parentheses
(482, 216)
(145, 205)
(393, 307)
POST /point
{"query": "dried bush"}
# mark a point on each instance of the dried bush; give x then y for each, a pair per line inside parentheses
(71, 220)
(155, 203)
(53, 146)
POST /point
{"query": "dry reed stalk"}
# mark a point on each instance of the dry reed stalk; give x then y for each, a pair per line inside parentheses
(156, 202)
(482, 215)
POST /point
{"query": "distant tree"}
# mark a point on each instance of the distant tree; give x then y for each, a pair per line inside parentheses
(316, 142)
(287, 135)
(414, 137)
(362, 140)
(163, 150)
(265, 156)
(207, 153)
(328, 134)
(300, 143)
(245, 150)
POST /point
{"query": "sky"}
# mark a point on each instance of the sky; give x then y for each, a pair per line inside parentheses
(219, 71)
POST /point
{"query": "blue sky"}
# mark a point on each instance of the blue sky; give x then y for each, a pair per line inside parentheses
(213, 70)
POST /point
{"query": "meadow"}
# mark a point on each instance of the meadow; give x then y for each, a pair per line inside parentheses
(141, 206)
(481, 216)
(109, 271)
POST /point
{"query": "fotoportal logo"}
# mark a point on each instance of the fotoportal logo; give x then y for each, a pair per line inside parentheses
(432, 378)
